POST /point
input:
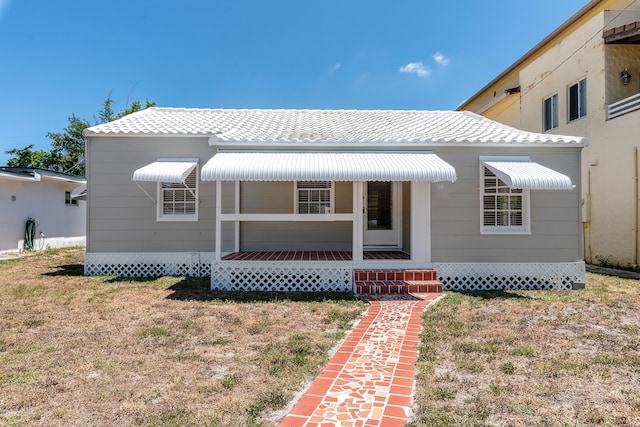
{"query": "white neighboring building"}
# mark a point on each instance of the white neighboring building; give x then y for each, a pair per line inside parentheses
(46, 197)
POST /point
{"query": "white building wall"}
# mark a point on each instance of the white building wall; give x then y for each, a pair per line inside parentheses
(61, 224)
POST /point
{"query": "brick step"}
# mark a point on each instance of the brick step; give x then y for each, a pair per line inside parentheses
(397, 286)
(394, 274)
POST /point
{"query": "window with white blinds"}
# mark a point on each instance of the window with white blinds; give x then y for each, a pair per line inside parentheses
(314, 197)
(504, 209)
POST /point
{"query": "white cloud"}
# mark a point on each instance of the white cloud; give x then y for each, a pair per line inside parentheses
(336, 67)
(441, 59)
(416, 67)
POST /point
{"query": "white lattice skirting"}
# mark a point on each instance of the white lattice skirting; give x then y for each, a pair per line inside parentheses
(313, 276)
(148, 264)
(510, 276)
(305, 276)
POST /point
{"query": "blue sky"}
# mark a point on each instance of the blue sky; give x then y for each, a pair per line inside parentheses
(66, 56)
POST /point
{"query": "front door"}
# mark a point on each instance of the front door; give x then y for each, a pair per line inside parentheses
(382, 206)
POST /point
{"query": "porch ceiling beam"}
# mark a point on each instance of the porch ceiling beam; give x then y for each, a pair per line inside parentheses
(287, 217)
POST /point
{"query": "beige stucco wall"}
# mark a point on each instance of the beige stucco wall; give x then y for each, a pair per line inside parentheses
(618, 58)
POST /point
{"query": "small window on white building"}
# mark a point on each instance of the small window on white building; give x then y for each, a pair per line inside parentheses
(68, 200)
(314, 197)
(179, 201)
(550, 112)
(504, 209)
(577, 100)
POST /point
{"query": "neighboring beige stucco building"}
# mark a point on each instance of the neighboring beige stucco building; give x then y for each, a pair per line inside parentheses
(573, 82)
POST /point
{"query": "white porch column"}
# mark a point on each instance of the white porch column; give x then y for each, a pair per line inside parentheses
(236, 247)
(421, 223)
(358, 213)
(218, 231)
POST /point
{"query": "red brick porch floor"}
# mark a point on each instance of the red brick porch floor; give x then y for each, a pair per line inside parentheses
(311, 256)
(369, 381)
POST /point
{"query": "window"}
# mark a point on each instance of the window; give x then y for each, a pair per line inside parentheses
(314, 197)
(550, 112)
(504, 209)
(179, 201)
(578, 100)
(68, 200)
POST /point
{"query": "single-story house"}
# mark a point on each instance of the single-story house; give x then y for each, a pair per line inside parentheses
(333, 199)
(38, 210)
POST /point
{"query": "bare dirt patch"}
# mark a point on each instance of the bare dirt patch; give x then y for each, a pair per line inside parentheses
(102, 351)
(542, 358)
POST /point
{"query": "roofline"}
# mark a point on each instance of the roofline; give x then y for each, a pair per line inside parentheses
(16, 171)
(408, 147)
(582, 12)
(15, 176)
(149, 134)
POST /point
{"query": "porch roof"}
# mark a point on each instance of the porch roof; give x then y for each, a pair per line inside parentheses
(522, 173)
(327, 166)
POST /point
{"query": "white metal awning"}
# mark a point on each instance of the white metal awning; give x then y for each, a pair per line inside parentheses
(79, 192)
(327, 166)
(173, 171)
(522, 173)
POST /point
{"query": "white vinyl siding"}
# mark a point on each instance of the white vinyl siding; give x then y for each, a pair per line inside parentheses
(550, 112)
(577, 100)
(314, 197)
(179, 201)
(504, 209)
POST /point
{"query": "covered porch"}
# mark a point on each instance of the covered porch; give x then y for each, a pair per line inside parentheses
(353, 211)
(320, 271)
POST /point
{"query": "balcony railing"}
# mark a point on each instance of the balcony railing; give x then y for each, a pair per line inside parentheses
(624, 106)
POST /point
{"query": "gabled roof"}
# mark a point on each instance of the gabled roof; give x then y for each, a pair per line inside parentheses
(36, 174)
(267, 127)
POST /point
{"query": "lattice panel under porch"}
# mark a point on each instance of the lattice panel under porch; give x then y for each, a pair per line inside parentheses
(282, 276)
(148, 264)
(510, 276)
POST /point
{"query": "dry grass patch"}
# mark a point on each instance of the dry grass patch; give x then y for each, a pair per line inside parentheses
(80, 350)
(532, 358)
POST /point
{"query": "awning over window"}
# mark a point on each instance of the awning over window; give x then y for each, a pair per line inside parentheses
(79, 192)
(173, 171)
(524, 174)
(327, 166)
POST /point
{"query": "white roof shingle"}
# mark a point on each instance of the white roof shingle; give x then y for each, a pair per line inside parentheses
(324, 126)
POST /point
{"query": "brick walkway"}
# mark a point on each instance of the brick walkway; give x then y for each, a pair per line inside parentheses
(369, 381)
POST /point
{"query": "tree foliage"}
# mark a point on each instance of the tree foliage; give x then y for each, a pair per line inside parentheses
(67, 147)
(27, 157)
